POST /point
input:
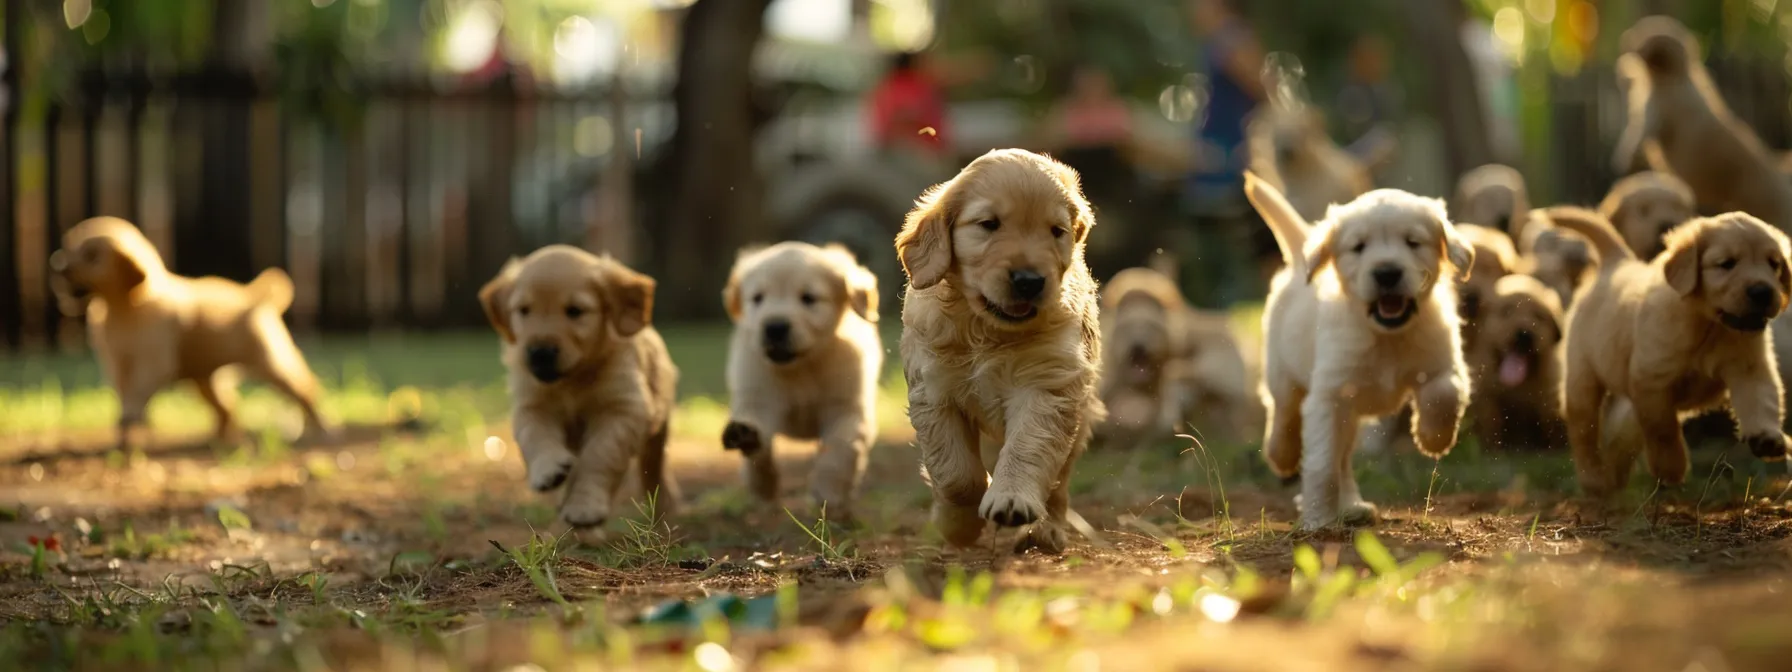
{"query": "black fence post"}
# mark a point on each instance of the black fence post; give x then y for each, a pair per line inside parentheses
(11, 312)
(52, 221)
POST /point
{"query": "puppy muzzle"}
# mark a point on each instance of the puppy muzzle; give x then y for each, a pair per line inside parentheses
(543, 362)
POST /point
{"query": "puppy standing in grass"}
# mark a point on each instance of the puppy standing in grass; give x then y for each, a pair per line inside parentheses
(803, 363)
(591, 384)
(1001, 344)
(1362, 321)
(152, 328)
(1672, 337)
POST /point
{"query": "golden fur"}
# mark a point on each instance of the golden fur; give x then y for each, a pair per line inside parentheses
(1674, 106)
(1673, 337)
(1362, 321)
(1517, 367)
(1168, 363)
(152, 328)
(591, 384)
(994, 375)
(1495, 257)
(1644, 207)
(1560, 258)
(1493, 196)
(1289, 148)
(803, 363)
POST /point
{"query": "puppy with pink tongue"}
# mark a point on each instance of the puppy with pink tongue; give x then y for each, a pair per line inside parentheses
(1517, 367)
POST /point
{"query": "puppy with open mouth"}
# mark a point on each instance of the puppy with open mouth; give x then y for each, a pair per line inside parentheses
(1362, 321)
(803, 363)
(1517, 367)
(1684, 333)
(1001, 344)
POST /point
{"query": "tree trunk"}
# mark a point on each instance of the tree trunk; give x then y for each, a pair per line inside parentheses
(1436, 29)
(714, 203)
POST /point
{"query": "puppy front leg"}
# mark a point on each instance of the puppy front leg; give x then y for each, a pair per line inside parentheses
(845, 448)
(1756, 399)
(954, 470)
(1437, 413)
(752, 424)
(136, 385)
(610, 444)
(1583, 409)
(1042, 430)
(541, 439)
(219, 392)
(1329, 427)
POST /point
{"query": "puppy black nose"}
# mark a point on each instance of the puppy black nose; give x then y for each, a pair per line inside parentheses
(1027, 285)
(777, 331)
(543, 362)
(1387, 277)
(1524, 339)
(1760, 294)
(1138, 353)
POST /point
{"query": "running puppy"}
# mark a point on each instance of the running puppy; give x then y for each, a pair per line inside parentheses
(1673, 337)
(1001, 344)
(152, 328)
(591, 383)
(1517, 367)
(1362, 321)
(1168, 363)
(1645, 207)
(803, 363)
(1493, 196)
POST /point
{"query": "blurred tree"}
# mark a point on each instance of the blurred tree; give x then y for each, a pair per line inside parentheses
(1435, 31)
(713, 201)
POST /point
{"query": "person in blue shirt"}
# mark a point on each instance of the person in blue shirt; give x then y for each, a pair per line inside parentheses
(1228, 235)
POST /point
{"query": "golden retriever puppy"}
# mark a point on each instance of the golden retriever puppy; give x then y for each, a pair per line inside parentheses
(803, 363)
(1168, 363)
(1644, 207)
(1361, 322)
(1672, 101)
(1290, 149)
(1493, 196)
(152, 328)
(1517, 367)
(591, 384)
(1001, 344)
(1560, 258)
(1673, 337)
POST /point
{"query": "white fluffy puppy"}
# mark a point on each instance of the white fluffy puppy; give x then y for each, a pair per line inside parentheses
(803, 363)
(1362, 320)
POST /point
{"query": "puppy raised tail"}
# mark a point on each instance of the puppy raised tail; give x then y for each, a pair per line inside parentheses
(272, 288)
(1595, 228)
(1288, 226)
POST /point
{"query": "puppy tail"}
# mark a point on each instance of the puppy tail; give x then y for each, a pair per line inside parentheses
(1287, 225)
(1596, 228)
(272, 289)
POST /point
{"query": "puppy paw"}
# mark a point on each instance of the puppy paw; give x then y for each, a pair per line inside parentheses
(1359, 514)
(549, 471)
(1011, 509)
(742, 437)
(1045, 537)
(1769, 447)
(585, 512)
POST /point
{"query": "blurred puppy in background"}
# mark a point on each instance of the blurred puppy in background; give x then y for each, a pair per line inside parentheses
(1645, 207)
(1561, 259)
(1290, 149)
(1493, 196)
(803, 363)
(1516, 363)
(152, 328)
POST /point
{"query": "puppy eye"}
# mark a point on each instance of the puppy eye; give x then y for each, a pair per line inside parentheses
(1058, 231)
(1412, 243)
(808, 299)
(991, 224)
(759, 298)
(1773, 263)
(574, 312)
(1358, 248)
(1727, 264)
(523, 311)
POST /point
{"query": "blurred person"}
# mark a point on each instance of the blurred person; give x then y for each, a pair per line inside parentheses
(1368, 102)
(1223, 224)
(1091, 130)
(908, 108)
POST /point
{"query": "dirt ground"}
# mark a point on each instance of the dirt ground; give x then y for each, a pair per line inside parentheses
(412, 543)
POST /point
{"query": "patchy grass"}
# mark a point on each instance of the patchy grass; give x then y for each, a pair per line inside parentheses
(413, 541)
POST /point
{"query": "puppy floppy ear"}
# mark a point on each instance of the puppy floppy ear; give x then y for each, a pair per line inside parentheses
(628, 298)
(1785, 271)
(731, 291)
(925, 243)
(496, 294)
(1459, 251)
(1681, 265)
(861, 289)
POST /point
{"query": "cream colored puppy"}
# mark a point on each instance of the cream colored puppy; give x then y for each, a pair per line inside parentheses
(591, 384)
(152, 328)
(1684, 333)
(1362, 321)
(1001, 344)
(803, 363)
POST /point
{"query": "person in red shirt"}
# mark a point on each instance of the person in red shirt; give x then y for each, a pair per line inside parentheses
(908, 108)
